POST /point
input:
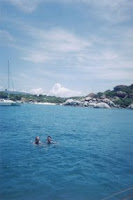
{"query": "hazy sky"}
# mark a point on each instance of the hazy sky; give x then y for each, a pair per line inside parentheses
(66, 47)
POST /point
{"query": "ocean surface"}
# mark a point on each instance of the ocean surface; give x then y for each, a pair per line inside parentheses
(92, 160)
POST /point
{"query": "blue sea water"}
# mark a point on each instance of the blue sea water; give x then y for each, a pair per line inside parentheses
(93, 157)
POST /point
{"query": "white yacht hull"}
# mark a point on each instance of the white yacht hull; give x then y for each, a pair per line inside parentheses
(4, 102)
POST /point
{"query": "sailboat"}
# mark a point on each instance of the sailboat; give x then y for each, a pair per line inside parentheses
(8, 102)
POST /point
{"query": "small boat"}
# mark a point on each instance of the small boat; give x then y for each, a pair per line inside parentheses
(8, 101)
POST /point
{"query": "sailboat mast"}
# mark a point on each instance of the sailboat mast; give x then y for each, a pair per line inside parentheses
(8, 80)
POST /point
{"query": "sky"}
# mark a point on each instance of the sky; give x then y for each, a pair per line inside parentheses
(66, 47)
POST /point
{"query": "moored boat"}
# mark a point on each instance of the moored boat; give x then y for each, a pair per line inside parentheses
(8, 101)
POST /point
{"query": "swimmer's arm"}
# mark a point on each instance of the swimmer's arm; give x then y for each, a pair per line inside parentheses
(52, 142)
(32, 142)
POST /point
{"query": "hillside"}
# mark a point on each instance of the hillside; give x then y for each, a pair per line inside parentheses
(121, 95)
(28, 98)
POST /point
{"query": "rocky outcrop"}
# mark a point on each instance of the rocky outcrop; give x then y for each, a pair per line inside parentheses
(121, 94)
(101, 105)
(120, 97)
(130, 106)
(115, 98)
(91, 102)
(71, 102)
(120, 87)
(109, 102)
(88, 98)
(92, 95)
(103, 96)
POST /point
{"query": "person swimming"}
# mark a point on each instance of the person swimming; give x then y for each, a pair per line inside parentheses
(49, 140)
(37, 140)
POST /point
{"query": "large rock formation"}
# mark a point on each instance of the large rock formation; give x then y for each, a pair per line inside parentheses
(90, 102)
(72, 102)
(92, 95)
(121, 96)
(120, 87)
(109, 102)
(130, 106)
(101, 105)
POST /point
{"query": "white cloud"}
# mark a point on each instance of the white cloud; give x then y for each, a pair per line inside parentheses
(37, 91)
(111, 10)
(25, 5)
(52, 44)
(65, 41)
(59, 48)
(114, 11)
(57, 90)
(60, 91)
(5, 37)
(63, 52)
(35, 57)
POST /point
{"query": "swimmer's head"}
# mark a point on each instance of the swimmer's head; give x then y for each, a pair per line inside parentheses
(49, 139)
(37, 139)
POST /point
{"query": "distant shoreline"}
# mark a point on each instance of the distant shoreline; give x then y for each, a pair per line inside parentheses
(46, 103)
(120, 97)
